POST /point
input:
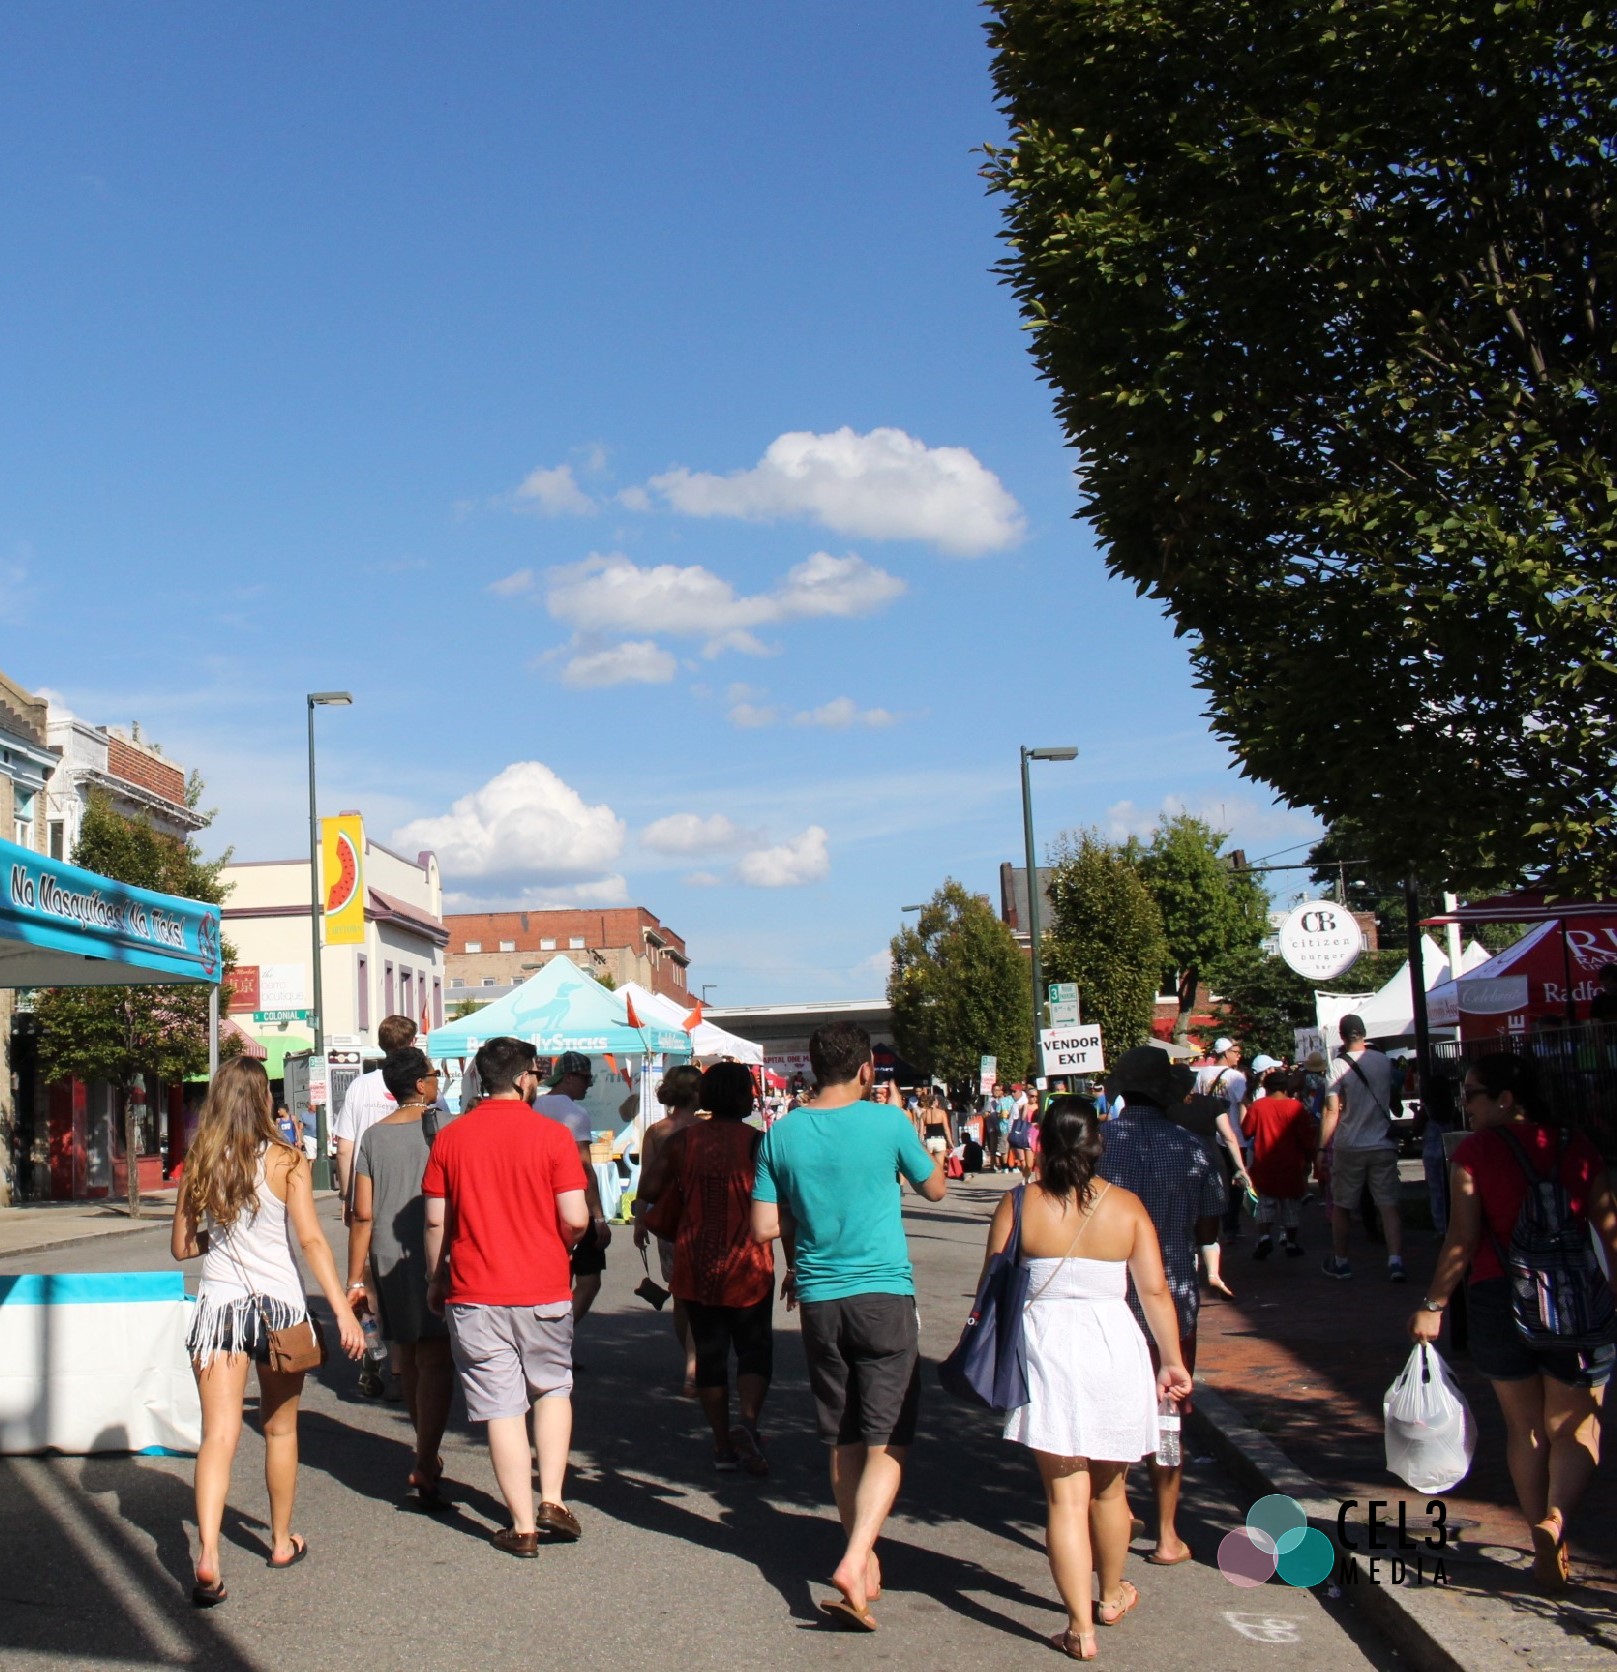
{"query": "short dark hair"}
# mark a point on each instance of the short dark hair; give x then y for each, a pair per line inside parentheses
(503, 1061)
(393, 1033)
(1069, 1146)
(1277, 1081)
(837, 1052)
(727, 1091)
(401, 1070)
(1501, 1071)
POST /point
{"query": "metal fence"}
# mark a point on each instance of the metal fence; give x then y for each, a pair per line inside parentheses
(1577, 1075)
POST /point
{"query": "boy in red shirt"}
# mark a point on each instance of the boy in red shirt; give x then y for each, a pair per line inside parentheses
(1283, 1140)
(505, 1200)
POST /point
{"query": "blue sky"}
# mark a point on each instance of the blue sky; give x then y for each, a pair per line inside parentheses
(620, 402)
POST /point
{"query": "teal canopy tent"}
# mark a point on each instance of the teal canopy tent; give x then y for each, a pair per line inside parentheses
(560, 1009)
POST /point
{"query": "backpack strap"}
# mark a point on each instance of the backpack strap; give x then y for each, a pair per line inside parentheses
(1353, 1063)
(1525, 1161)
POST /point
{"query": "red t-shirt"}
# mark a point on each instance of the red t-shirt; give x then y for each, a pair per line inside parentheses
(501, 1168)
(1282, 1146)
(1502, 1187)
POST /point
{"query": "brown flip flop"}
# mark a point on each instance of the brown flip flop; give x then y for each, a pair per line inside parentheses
(844, 1614)
(1171, 1561)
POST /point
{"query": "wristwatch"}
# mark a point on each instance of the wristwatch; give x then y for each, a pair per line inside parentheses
(1429, 1305)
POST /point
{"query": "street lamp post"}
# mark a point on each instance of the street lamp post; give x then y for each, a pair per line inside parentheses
(322, 1128)
(1063, 754)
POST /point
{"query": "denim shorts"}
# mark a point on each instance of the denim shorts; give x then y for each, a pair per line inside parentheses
(1503, 1354)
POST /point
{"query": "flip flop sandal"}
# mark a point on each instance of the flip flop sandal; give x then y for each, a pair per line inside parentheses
(1064, 1640)
(300, 1550)
(208, 1593)
(1171, 1561)
(843, 1613)
(1121, 1609)
(747, 1447)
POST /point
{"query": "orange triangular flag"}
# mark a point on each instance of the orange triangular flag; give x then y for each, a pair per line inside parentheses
(611, 1062)
(634, 1021)
(693, 1018)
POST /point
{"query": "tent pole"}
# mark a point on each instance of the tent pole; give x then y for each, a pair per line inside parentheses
(1417, 983)
(1566, 967)
(213, 1032)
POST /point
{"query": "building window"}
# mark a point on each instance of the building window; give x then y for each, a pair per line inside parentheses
(489, 981)
(474, 946)
(455, 981)
(548, 944)
(575, 943)
(362, 1010)
(407, 993)
(437, 1001)
(508, 946)
(387, 986)
(58, 839)
(22, 811)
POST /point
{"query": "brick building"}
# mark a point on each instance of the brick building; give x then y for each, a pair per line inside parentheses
(501, 949)
(137, 778)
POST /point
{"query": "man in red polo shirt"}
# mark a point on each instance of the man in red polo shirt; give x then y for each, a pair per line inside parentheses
(505, 1200)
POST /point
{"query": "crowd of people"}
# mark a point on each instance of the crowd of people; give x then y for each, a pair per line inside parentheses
(465, 1237)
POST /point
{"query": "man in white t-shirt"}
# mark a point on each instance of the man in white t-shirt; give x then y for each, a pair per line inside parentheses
(1222, 1078)
(569, 1083)
(1358, 1125)
(367, 1102)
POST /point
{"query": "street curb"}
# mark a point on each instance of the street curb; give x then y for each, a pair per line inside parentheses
(51, 1243)
(1433, 1630)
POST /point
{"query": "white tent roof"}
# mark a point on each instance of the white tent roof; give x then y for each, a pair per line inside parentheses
(1388, 1013)
(708, 1042)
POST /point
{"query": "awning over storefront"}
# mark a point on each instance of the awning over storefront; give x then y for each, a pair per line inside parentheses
(230, 1028)
(61, 926)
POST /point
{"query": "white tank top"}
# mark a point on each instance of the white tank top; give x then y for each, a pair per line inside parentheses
(255, 1253)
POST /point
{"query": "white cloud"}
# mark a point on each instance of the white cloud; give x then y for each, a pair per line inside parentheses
(877, 967)
(635, 662)
(841, 713)
(608, 593)
(525, 827)
(701, 879)
(690, 833)
(1247, 819)
(751, 716)
(554, 492)
(635, 499)
(790, 864)
(882, 486)
(610, 890)
(512, 585)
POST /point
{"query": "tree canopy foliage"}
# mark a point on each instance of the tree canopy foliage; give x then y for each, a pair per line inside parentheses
(1324, 291)
(1106, 934)
(960, 990)
(116, 1034)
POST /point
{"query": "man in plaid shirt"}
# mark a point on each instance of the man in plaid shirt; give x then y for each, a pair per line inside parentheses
(1182, 1186)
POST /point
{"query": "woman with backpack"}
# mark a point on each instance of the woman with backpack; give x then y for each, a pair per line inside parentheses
(1524, 1197)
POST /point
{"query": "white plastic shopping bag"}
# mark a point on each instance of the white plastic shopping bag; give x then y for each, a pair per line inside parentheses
(1431, 1434)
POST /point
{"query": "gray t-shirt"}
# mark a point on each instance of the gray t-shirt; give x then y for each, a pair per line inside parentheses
(1364, 1118)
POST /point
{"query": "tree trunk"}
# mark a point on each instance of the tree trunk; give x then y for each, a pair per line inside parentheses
(1188, 982)
(131, 1153)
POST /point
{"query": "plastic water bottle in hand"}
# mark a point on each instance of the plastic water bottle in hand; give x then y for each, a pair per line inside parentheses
(1168, 1452)
(375, 1346)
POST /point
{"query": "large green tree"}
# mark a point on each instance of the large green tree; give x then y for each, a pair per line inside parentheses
(1211, 914)
(122, 1034)
(960, 990)
(1105, 933)
(1324, 291)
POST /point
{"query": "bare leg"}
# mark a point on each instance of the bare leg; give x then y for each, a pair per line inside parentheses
(1341, 1220)
(1213, 1260)
(1572, 1423)
(552, 1440)
(585, 1289)
(1110, 1524)
(682, 1329)
(220, 1386)
(1066, 1496)
(1165, 1483)
(716, 1408)
(1392, 1227)
(278, 1397)
(434, 1392)
(751, 1391)
(874, 1484)
(513, 1467)
(1527, 1451)
(407, 1370)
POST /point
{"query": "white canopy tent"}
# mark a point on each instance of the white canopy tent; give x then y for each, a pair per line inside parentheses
(709, 1042)
(1388, 1012)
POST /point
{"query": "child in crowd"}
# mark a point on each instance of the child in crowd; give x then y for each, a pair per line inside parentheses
(1283, 1139)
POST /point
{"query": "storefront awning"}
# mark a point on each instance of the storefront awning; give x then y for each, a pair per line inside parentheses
(61, 926)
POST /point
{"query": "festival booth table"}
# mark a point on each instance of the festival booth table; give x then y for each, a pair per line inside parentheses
(563, 1009)
(97, 1363)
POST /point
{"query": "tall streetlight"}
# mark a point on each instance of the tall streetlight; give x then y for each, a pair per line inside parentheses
(1033, 880)
(322, 1162)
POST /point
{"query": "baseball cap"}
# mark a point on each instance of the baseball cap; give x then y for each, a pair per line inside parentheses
(1221, 1045)
(1262, 1064)
(571, 1062)
(1351, 1027)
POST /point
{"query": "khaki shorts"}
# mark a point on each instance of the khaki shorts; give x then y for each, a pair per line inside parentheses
(665, 1259)
(1352, 1169)
(509, 1356)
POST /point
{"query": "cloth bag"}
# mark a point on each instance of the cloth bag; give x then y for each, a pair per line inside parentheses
(1431, 1434)
(989, 1363)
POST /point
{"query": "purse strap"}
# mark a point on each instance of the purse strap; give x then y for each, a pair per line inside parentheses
(1087, 1215)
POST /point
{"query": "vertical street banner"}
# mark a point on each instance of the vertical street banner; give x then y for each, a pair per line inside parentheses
(342, 879)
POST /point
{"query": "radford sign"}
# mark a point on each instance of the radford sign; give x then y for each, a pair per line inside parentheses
(1320, 939)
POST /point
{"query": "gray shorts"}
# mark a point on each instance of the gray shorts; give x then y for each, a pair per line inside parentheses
(1352, 1169)
(509, 1356)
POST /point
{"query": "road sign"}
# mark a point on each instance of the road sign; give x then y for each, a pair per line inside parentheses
(1063, 1004)
(987, 1074)
(1072, 1050)
(282, 1015)
(1320, 940)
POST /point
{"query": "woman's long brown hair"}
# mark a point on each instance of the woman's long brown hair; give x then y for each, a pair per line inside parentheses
(237, 1121)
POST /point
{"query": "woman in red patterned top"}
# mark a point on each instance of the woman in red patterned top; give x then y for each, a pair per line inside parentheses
(725, 1279)
(1550, 1396)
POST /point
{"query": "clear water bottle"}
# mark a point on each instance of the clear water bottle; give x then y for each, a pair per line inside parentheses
(1168, 1453)
(376, 1347)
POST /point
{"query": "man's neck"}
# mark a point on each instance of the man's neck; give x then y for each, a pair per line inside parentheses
(837, 1097)
(504, 1097)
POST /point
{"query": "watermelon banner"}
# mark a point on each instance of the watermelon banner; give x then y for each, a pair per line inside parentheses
(342, 879)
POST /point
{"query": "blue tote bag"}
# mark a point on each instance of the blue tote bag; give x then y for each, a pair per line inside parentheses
(989, 1363)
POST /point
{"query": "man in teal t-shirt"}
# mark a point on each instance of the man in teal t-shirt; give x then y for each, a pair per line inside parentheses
(828, 1186)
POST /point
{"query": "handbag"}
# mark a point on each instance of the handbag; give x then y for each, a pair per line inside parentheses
(293, 1348)
(662, 1216)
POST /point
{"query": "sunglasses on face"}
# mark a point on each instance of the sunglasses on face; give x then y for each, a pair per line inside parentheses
(1474, 1091)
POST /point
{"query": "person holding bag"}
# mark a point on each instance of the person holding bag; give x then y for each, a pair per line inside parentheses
(254, 1192)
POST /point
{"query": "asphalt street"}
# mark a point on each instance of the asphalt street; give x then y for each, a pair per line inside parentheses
(678, 1567)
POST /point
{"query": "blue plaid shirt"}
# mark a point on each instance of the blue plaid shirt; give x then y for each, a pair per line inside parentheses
(1177, 1177)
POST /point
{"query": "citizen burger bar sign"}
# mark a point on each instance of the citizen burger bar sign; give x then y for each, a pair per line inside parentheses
(1320, 939)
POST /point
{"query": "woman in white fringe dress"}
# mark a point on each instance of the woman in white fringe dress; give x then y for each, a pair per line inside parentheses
(254, 1191)
(1092, 1397)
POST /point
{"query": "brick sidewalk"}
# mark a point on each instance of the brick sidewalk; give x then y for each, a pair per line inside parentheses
(1308, 1360)
(38, 1225)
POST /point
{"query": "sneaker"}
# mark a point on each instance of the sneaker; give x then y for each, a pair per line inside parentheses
(1264, 1248)
(1395, 1269)
(370, 1383)
(1334, 1267)
(1294, 1250)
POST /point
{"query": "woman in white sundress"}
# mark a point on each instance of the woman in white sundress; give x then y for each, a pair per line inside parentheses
(1092, 1399)
(253, 1191)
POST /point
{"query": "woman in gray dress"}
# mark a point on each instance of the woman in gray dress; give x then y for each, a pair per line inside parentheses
(388, 1230)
